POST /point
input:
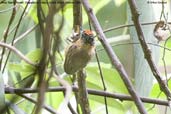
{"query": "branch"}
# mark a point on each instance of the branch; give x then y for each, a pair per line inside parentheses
(8, 9)
(121, 97)
(48, 108)
(67, 88)
(114, 59)
(146, 49)
(24, 34)
(46, 32)
(82, 94)
(129, 25)
(103, 81)
(17, 52)
(15, 33)
(5, 36)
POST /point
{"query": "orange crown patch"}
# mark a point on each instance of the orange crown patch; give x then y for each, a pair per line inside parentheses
(88, 32)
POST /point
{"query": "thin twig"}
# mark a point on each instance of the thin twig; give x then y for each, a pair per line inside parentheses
(48, 108)
(5, 36)
(164, 51)
(25, 34)
(52, 57)
(17, 52)
(125, 25)
(102, 78)
(128, 25)
(8, 9)
(15, 34)
(164, 62)
(68, 89)
(46, 32)
(137, 43)
(114, 59)
(155, 104)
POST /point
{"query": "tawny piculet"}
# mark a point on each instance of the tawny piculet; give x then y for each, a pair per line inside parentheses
(160, 31)
(79, 53)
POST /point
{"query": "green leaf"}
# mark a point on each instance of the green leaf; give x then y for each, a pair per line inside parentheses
(156, 91)
(94, 86)
(113, 105)
(168, 44)
(25, 69)
(28, 69)
(112, 79)
(33, 13)
(27, 106)
(33, 10)
(25, 82)
(111, 102)
(34, 55)
(54, 99)
(166, 55)
(20, 68)
(15, 67)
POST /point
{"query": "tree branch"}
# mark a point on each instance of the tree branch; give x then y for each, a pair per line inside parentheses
(121, 97)
(81, 76)
(17, 52)
(48, 108)
(114, 59)
(129, 25)
(146, 49)
(82, 92)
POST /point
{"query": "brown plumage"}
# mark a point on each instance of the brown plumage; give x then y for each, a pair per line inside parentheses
(160, 31)
(79, 53)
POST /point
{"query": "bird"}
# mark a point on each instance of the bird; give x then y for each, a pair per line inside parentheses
(80, 52)
(160, 31)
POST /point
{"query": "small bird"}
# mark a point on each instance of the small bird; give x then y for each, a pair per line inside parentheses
(79, 53)
(160, 31)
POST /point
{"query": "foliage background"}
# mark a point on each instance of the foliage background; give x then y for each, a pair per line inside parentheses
(110, 13)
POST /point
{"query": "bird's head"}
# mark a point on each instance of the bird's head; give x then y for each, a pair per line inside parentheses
(88, 37)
